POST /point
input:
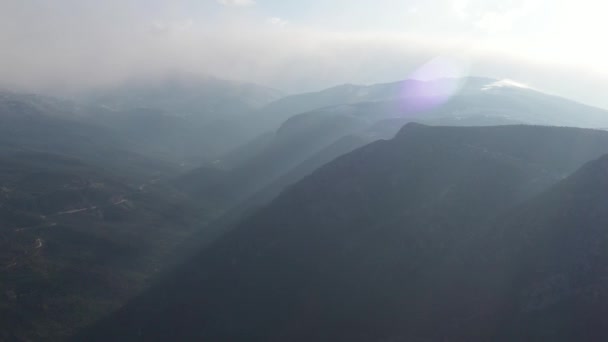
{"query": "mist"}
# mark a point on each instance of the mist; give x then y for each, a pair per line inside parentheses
(327, 170)
(67, 46)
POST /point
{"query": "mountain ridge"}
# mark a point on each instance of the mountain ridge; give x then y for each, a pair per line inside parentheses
(354, 250)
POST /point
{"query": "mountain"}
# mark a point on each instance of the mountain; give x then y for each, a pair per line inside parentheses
(182, 117)
(200, 97)
(242, 154)
(172, 138)
(501, 100)
(54, 107)
(385, 129)
(385, 108)
(86, 217)
(474, 101)
(77, 242)
(85, 183)
(161, 142)
(535, 273)
(299, 139)
(38, 124)
(282, 109)
(407, 239)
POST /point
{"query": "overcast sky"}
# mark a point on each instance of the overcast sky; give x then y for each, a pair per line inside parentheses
(556, 45)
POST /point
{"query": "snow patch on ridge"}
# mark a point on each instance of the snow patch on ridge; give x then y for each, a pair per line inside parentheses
(506, 83)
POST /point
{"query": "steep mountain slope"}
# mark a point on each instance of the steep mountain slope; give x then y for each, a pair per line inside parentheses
(385, 129)
(554, 248)
(300, 138)
(365, 248)
(536, 273)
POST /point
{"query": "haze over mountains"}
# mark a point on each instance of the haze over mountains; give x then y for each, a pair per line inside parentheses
(423, 237)
(299, 217)
(376, 112)
(266, 170)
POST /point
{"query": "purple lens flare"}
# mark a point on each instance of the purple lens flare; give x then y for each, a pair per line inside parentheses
(432, 85)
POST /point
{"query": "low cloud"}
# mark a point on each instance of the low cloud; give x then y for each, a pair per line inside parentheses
(89, 44)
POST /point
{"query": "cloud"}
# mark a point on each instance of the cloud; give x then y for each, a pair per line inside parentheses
(494, 16)
(237, 3)
(460, 7)
(497, 22)
(505, 19)
(278, 21)
(163, 27)
(121, 39)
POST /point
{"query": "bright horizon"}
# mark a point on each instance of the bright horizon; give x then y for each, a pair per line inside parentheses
(70, 44)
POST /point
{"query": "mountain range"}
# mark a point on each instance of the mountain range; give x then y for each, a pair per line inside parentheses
(326, 209)
(440, 233)
(369, 113)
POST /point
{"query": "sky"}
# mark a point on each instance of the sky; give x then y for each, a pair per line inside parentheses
(62, 45)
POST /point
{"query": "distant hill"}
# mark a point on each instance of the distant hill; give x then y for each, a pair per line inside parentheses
(439, 233)
(452, 99)
(376, 112)
(114, 137)
(199, 97)
(183, 117)
(38, 124)
(282, 109)
(172, 138)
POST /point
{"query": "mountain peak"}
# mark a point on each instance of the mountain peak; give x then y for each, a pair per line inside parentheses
(410, 126)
